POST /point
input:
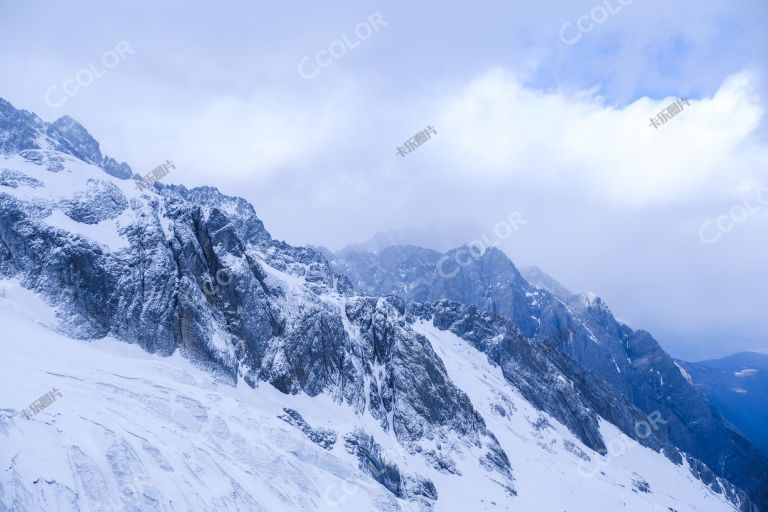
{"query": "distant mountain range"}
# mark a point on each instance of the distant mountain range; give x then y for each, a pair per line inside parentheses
(737, 386)
(264, 376)
(580, 325)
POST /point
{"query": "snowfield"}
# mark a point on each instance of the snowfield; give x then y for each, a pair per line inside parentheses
(384, 415)
(554, 470)
(137, 432)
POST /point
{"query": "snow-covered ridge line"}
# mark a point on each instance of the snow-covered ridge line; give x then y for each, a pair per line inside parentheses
(581, 327)
(193, 276)
(133, 431)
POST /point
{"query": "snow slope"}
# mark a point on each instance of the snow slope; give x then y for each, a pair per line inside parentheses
(133, 431)
(555, 471)
(282, 388)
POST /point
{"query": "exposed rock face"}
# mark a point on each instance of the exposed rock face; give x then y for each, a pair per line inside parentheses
(101, 201)
(545, 376)
(388, 474)
(323, 437)
(579, 326)
(70, 137)
(14, 179)
(168, 294)
(198, 273)
(22, 131)
(195, 271)
(558, 385)
(404, 271)
(19, 129)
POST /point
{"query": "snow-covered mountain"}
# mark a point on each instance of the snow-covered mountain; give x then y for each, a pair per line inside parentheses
(199, 364)
(578, 325)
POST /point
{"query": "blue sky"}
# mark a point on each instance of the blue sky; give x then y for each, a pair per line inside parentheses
(526, 123)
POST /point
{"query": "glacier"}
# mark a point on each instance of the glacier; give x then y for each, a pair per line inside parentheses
(204, 365)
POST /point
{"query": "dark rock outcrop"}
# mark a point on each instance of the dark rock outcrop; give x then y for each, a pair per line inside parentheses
(323, 437)
(581, 327)
(375, 463)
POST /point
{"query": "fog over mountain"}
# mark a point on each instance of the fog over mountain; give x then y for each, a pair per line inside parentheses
(525, 123)
(188, 355)
(384, 257)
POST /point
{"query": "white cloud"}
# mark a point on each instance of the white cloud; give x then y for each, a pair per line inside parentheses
(234, 139)
(498, 129)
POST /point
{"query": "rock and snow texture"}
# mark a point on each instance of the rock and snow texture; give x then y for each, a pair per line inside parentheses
(554, 470)
(204, 365)
(134, 431)
(580, 326)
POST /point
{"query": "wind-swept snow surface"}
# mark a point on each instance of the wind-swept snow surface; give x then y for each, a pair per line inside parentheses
(555, 471)
(161, 351)
(132, 431)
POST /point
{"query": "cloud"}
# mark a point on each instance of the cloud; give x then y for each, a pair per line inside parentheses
(253, 138)
(496, 128)
(525, 123)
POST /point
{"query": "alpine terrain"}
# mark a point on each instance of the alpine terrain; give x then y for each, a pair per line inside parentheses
(191, 361)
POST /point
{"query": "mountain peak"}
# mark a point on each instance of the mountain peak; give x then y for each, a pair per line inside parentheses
(544, 281)
(71, 137)
(21, 130)
(486, 365)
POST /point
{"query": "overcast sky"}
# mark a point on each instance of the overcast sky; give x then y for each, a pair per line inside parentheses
(532, 114)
